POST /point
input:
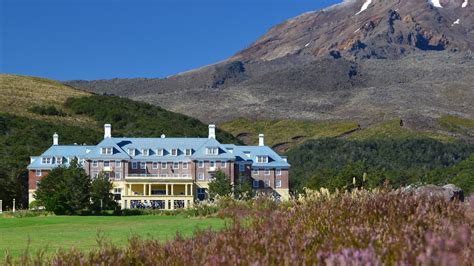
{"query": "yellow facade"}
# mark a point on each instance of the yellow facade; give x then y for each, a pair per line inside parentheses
(173, 194)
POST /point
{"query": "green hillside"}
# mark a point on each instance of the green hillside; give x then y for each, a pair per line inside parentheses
(333, 163)
(32, 109)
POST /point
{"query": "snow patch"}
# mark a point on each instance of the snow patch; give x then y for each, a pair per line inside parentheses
(306, 45)
(364, 6)
(436, 3)
(456, 22)
(464, 4)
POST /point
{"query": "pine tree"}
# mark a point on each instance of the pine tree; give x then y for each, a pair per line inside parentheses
(101, 196)
(220, 185)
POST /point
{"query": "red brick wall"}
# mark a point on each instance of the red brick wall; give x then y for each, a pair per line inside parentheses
(32, 178)
(272, 178)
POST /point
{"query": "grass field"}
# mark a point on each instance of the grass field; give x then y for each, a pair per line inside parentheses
(55, 232)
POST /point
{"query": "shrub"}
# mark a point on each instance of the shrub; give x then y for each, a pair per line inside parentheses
(46, 110)
(358, 228)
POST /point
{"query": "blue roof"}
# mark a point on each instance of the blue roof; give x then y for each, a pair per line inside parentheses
(198, 146)
(64, 151)
(250, 153)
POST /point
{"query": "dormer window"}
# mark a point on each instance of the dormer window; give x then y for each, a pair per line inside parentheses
(145, 152)
(188, 152)
(106, 150)
(212, 151)
(159, 152)
(174, 152)
(262, 159)
(131, 152)
(59, 160)
(46, 160)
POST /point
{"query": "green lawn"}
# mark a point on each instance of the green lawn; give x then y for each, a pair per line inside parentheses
(81, 232)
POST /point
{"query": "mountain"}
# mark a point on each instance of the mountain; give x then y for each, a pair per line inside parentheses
(365, 61)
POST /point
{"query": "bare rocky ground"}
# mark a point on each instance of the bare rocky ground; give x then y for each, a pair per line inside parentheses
(402, 58)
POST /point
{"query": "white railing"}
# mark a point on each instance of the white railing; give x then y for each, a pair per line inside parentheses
(159, 176)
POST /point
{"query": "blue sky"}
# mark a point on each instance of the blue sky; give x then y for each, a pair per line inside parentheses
(102, 39)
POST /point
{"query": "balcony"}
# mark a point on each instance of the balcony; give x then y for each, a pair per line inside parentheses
(158, 177)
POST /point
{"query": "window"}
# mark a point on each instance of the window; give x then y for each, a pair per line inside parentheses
(95, 163)
(255, 172)
(267, 183)
(256, 183)
(188, 152)
(118, 175)
(175, 165)
(174, 152)
(266, 172)
(201, 164)
(46, 160)
(223, 164)
(106, 163)
(185, 165)
(184, 175)
(145, 152)
(159, 152)
(278, 183)
(201, 176)
(118, 164)
(155, 165)
(212, 163)
(107, 150)
(134, 165)
(262, 159)
(201, 193)
(59, 160)
(163, 166)
(143, 165)
(241, 167)
(247, 153)
(278, 172)
(131, 152)
(213, 151)
(117, 191)
(38, 172)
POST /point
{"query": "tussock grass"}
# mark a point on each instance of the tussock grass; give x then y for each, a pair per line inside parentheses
(282, 131)
(457, 124)
(392, 130)
(19, 93)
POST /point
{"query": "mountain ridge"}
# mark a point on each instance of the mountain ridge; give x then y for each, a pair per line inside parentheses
(380, 75)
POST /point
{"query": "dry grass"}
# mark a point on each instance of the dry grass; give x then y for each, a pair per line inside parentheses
(292, 132)
(391, 129)
(21, 92)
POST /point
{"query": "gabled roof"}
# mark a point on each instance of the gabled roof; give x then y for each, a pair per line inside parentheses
(65, 151)
(250, 153)
(122, 145)
(117, 153)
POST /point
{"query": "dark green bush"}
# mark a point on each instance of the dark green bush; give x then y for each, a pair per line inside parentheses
(46, 110)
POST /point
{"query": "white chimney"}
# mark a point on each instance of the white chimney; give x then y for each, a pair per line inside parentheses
(261, 140)
(55, 139)
(212, 131)
(107, 131)
(163, 136)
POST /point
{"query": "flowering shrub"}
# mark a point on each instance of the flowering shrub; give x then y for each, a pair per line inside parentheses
(342, 228)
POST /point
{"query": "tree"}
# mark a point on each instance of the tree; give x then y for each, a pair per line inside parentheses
(243, 188)
(65, 190)
(220, 185)
(101, 196)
